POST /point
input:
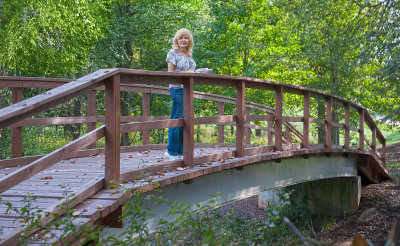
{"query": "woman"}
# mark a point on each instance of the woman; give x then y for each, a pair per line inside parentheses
(179, 59)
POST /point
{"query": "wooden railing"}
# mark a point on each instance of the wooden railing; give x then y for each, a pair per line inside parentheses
(115, 80)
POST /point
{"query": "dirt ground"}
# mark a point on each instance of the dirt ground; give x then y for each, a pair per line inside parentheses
(385, 198)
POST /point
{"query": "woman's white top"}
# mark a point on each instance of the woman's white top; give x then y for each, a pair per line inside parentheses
(181, 63)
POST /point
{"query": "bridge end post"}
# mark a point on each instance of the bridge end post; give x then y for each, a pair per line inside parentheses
(112, 143)
(278, 118)
(240, 114)
(188, 116)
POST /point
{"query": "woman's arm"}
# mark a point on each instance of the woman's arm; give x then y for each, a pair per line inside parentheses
(171, 67)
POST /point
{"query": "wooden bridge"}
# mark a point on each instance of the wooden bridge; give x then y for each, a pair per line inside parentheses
(81, 168)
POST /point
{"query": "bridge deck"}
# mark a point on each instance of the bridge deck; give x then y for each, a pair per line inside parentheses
(72, 176)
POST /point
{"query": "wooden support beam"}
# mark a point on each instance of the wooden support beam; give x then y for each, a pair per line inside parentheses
(329, 118)
(112, 145)
(146, 112)
(361, 128)
(306, 122)
(278, 118)
(91, 111)
(16, 132)
(240, 101)
(220, 126)
(113, 220)
(188, 116)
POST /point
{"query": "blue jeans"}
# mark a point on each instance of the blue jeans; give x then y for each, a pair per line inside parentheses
(175, 134)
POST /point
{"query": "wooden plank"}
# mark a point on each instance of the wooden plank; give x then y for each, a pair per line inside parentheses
(16, 132)
(36, 104)
(329, 118)
(214, 119)
(188, 128)
(35, 167)
(113, 112)
(278, 119)
(90, 189)
(145, 112)
(150, 125)
(260, 117)
(337, 124)
(292, 119)
(318, 121)
(91, 111)
(240, 120)
(306, 122)
(220, 126)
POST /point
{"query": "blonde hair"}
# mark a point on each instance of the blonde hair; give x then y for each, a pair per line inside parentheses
(178, 35)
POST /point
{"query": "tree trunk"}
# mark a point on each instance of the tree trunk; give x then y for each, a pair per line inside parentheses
(125, 112)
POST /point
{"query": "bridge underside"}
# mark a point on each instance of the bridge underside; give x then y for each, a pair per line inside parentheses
(238, 183)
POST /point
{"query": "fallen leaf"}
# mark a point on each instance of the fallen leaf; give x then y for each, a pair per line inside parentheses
(180, 168)
(47, 177)
(76, 213)
(106, 71)
(159, 160)
(161, 175)
(46, 182)
(21, 221)
(99, 206)
(130, 156)
(72, 162)
(84, 210)
(42, 235)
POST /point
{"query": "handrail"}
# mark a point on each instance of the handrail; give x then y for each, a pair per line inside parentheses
(114, 79)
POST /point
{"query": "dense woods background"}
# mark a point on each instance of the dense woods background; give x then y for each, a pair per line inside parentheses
(350, 48)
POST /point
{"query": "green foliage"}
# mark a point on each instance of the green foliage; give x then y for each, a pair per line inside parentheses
(50, 38)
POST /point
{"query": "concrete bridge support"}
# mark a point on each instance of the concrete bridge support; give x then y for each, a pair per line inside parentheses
(334, 196)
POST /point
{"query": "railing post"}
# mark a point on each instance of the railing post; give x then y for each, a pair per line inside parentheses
(220, 126)
(188, 116)
(16, 132)
(306, 120)
(328, 143)
(146, 112)
(247, 130)
(278, 118)
(384, 154)
(240, 102)
(91, 111)
(347, 126)
(373, 142)
(112, 145)
(361, 128)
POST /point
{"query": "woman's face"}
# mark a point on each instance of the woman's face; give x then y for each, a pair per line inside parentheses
(183, 41)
